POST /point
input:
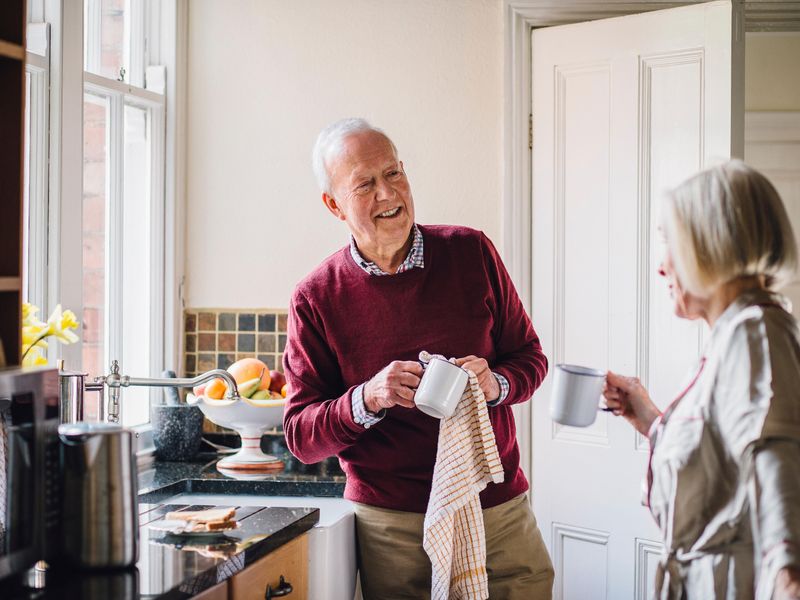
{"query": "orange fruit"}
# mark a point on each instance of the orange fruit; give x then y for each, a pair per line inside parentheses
(285, 390)
(216, 389)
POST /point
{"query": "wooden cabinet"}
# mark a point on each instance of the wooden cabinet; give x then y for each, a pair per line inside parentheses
(218, 592)
(290, 561)
(12, 108)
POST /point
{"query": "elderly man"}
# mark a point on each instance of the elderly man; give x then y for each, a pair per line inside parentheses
(357, 324)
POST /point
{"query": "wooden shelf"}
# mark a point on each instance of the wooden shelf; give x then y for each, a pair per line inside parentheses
(10, 50)
(10, 284)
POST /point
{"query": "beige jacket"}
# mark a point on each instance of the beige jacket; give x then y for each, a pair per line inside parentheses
(725, 465)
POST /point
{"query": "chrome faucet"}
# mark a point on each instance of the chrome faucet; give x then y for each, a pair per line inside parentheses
(116, 382)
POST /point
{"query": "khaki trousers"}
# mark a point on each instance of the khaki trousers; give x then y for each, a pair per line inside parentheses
(393, 564)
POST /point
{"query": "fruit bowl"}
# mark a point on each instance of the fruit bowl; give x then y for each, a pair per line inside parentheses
(250, 419)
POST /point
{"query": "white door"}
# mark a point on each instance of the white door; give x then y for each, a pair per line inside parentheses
(623, 109)
(772, 145)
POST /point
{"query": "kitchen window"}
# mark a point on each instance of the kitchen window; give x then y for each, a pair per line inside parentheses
(94, 191)
(122, 207)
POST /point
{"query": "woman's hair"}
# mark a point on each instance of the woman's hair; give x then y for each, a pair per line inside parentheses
(728, 222)
(330, 142)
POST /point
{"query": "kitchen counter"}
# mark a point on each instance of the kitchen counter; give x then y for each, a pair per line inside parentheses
(165, 479)
(180, 567)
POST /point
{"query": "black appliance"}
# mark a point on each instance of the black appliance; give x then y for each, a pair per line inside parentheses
(29, 469)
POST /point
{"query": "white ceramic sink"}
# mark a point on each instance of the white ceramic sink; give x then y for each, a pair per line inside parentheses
(331, 542)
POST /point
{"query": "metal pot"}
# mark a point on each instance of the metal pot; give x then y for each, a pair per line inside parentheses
(101, 524)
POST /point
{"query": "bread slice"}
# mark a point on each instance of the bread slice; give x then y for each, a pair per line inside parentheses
(219, 517)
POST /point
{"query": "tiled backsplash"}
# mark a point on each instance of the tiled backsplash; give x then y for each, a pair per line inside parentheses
(216, 338)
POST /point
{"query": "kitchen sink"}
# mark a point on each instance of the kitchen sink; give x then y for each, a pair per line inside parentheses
(331, 543)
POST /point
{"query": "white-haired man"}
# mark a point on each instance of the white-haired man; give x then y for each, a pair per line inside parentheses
(356, 326)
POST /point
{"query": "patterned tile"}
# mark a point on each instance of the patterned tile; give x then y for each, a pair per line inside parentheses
(226, 342)
(206, 362)
(266, 342)
(207, 342)
(190, 322)
(246, 342)
(227, 321)
(191, 342)
(225, 360)
(247, 322)
(207, 321)
(266, 322)
(282, 321)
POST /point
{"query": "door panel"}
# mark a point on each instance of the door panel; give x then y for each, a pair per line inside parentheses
(623, 109)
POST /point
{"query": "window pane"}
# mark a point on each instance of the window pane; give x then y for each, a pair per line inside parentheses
(106, 37)
(95, 209)
(136, 273)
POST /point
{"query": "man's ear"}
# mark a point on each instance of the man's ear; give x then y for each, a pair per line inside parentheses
(331, 204)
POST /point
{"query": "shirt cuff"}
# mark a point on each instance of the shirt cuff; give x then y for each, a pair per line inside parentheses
(360, 413)
(504, 389)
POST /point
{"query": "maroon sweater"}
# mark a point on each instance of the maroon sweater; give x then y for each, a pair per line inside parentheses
(345, 325)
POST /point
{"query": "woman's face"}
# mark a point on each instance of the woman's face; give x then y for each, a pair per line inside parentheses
(687, 306)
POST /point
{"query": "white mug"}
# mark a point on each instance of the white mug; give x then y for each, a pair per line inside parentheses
(441, 388)
(576, 395)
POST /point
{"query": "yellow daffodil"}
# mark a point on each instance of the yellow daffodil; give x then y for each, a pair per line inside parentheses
(59, 325)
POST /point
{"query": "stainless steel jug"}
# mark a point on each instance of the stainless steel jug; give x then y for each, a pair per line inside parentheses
(74, 404)
(100, 524)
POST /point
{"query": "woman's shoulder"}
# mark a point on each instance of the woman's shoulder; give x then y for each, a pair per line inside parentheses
(758, 379)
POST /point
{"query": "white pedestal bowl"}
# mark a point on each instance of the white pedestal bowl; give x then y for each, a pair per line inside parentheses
(250, 422)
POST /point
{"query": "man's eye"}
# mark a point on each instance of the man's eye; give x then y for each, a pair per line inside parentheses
(393, 174)
(363, 187)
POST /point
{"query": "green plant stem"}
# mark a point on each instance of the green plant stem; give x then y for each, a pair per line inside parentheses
(36, 341)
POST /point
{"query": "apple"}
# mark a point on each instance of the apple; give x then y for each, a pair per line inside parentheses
(276, 381)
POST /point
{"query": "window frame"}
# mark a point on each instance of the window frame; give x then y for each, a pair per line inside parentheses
(120, 94)
(162, 25)
(36, 223)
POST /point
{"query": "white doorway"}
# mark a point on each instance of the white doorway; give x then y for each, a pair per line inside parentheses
(623, 109)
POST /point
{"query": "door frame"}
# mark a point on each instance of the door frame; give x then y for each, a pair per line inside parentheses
(520, 17)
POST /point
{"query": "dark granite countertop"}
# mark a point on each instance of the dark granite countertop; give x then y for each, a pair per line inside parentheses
(178, 566)
(165, 479)
(172, 567)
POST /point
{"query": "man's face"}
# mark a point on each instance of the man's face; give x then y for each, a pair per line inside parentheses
(371, 192)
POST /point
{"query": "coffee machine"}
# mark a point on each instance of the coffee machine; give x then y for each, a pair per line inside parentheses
(29, 469)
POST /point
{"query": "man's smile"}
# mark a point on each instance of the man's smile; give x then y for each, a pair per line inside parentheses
(388, 214)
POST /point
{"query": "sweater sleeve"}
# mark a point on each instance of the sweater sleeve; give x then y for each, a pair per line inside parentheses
(318, 417)
(518, 353)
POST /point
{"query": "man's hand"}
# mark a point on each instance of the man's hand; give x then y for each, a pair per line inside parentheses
(394, 385)
(486, 379)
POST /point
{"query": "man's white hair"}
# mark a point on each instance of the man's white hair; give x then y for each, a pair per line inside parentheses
(329, 145)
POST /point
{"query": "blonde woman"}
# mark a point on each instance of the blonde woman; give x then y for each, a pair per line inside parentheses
(724, 473)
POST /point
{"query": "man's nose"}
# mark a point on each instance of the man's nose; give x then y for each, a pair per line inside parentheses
(384, 190)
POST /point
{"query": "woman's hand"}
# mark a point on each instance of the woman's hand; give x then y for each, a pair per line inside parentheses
(787, 584)
(627, 397)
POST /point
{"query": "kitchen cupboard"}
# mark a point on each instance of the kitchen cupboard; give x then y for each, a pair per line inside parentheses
(286, 566)
(12, 133)
(218, 592)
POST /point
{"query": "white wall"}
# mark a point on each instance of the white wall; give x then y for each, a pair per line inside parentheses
(266, 75)
(772, 71)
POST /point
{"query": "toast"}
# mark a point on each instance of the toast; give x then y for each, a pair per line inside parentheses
(212, 516)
